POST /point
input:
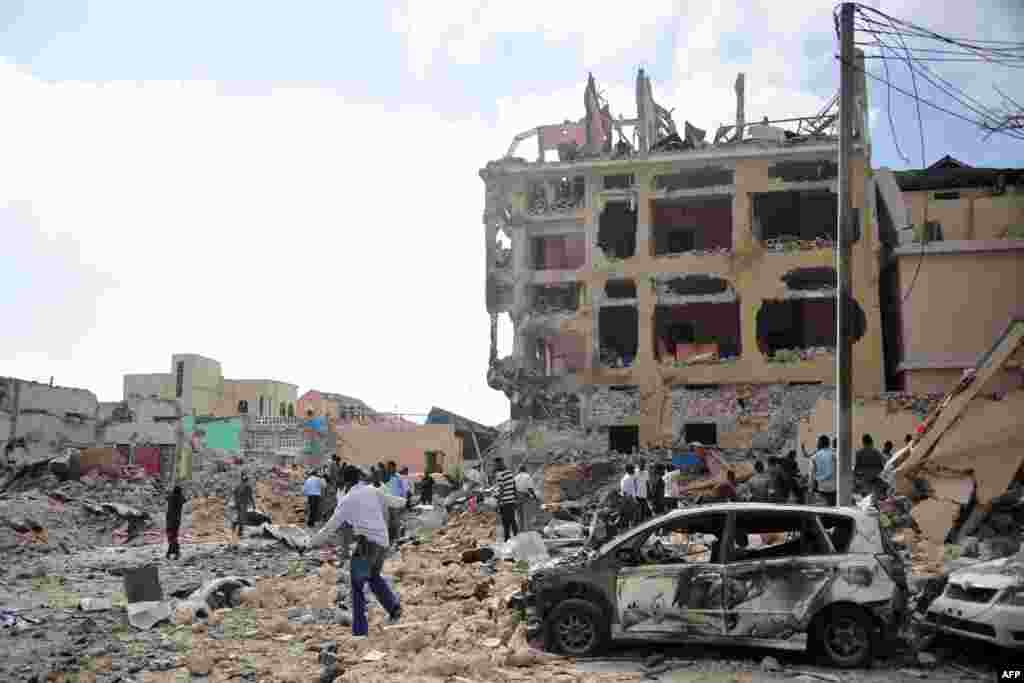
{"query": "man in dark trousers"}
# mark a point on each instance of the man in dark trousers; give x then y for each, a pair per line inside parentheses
(175, 502)
(245, 500)
(506, 498)
(362, 510)
(312, 489)
(868, 465)
(427, 489)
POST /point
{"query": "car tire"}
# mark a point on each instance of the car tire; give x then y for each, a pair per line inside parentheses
(844, 635)
(577, 628)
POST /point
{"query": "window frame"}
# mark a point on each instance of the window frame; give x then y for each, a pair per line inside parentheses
(812, 517)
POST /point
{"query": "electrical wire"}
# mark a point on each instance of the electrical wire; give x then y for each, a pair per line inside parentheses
(1009, 54)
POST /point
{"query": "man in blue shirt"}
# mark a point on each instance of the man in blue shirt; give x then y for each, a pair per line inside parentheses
(824, 460)
(312, 489)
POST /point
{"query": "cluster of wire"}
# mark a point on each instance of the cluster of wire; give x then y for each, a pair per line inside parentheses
(889, 39)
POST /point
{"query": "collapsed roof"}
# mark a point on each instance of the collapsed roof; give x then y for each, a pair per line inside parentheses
(600, 134)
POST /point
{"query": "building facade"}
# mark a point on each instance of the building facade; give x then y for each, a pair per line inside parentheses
(957, 270)
(198, 383)
(681, 289)
(328, 404)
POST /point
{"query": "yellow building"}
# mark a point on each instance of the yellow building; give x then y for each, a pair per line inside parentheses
(198, 383)
(681, 289)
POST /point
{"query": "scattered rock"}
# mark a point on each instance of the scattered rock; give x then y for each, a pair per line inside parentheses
(199, 665)
(770, 664)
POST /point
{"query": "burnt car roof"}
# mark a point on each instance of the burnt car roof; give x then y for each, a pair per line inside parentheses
(847, 511)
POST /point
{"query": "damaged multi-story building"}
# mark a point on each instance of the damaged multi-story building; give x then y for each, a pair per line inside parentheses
(667, 287)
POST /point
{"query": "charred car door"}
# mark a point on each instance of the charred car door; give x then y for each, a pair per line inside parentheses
(670, 582)
(778, 565)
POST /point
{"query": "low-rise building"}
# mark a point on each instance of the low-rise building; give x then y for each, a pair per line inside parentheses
(198, 383)
(956, 270)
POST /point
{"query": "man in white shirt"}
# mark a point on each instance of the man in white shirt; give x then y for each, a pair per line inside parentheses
(642, 483)
(524, 494)
(362, 509)
(627, 488)
(670, 490)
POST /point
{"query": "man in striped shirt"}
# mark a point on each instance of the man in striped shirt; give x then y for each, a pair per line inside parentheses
(506, 498)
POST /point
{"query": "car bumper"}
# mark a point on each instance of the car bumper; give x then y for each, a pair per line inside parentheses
(1001, 625)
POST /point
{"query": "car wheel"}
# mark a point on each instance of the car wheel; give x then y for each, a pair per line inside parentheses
(577, 628)
(845, 635)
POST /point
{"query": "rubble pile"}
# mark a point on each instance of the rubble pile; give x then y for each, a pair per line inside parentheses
(40, 512)
(455, 623)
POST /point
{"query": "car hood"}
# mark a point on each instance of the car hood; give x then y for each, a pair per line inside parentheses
(579, 558)
(1001, 573)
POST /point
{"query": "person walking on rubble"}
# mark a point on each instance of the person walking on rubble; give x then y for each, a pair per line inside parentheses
(245, 500)
(759, 488)
(656, 494)
(643, 483)
(427, 489)
(824, 461)
(506, 499)
(868, 464)
(362, 512)
(175, 502)
(312, 489)
(628, 491)
(524, 494)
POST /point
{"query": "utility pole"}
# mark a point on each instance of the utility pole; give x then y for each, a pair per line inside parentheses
(844, 348)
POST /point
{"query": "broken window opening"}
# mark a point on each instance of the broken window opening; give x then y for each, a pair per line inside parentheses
(559, 252)
(798, 329)
(627, 388)
(502, 249)
(766, 536)
(616, 234)
(559, 355)
(704, 433)
(804, 171)
(811, 279)
(710, 176)
(682, 226)
(620, 289)
(623, 438)
(622, 181)
(618, 328)
(243, 407)
(786, 221)
(556, 298)
(693, 540)
(697, 285)
(560, 195)
(505, 336)
(698, 333)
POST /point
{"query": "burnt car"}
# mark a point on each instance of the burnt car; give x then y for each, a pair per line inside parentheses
(985, 602)
(748, 573)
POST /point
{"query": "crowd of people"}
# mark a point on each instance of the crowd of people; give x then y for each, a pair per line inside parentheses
(645, 493)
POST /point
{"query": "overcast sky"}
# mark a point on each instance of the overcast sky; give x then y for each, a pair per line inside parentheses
(292, 189)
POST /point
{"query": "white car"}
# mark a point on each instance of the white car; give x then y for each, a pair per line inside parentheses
(985, 602)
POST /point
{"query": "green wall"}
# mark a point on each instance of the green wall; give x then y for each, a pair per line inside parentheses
(222, 435)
